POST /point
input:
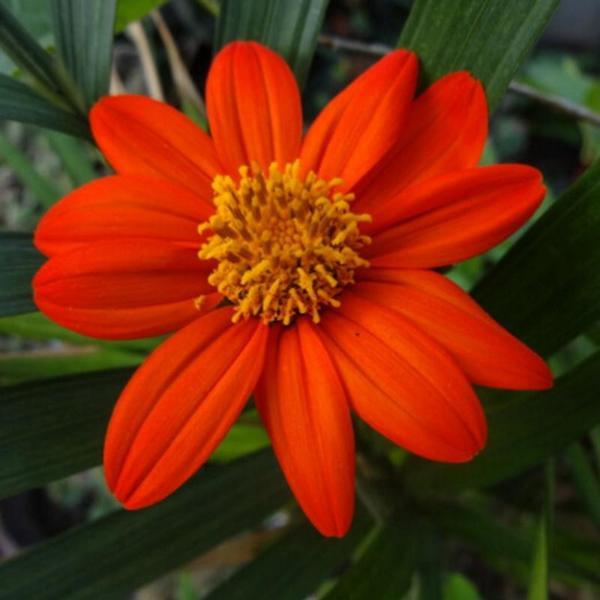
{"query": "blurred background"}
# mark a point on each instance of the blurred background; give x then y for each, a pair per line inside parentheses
(167, 55)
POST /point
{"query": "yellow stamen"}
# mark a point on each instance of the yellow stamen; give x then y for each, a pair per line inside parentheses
(285, 244)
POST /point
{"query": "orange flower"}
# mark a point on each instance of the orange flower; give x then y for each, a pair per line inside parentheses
(297, 268)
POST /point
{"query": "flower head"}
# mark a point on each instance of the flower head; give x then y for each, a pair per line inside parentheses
(295, 267)
(286, 244)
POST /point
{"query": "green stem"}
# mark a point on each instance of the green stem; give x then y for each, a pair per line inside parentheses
(585, 479)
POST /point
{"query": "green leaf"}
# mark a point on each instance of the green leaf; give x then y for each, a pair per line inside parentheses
(36, 21)
(43, 189)
(26, 52)
(585, 479)
(37, 326)
(595, 442)
(545, 289)
(20, 103)
(118, 553)
(386, 567)
(133, 10)
(28, 13)
(19, 261)
(74, 156)
(54, 428)
(524, 430)
(430, 562)
(539, 578)
(294, 566)
(21, 367)
(289, 28)
(509, 548)
(489, 38)
(581, 553)
(84, 37)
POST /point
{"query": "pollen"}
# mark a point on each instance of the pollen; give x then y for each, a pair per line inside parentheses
(285, 244)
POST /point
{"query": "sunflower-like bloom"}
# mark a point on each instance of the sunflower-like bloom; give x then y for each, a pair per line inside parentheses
(299, 268)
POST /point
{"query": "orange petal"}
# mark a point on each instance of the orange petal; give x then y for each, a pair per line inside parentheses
(127, 323)
(457, 216)
(403, 383)
(358, 127)
(445, 131)
(123, 206)
(303, 405)
(253, 107)
(179, 405)
(141, 136)
(124, 288)
(486, 352)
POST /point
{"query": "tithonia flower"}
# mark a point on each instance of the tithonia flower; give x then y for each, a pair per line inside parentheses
(297, 268)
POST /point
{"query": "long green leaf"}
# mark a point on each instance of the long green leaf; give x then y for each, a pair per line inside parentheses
(20, 103)
(523, 432)
(539, 577)
(289, 28)
(585, 479)
(20, 367)
(294, 566)
(84, 36)
(385, 569)
(120, 552)
(74, 157)
(39, 23)
(19, 261)
(37, 326)
(43, 189)
(489, 38)
(595, 442)
(34, 20)
(430, 563)
(546, 288)
(54, 428)
(509, 548)
(26, 52)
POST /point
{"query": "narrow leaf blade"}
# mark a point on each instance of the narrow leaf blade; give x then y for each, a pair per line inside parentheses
(51, 429)
(25, 51)
(118, 553)
(41, 187)
(545, 289)
(37, 326)
(386, 567)
(28, 366)
(20, 103)
(539, 578)
(510, 548)
(19, 261)
(585, 479)
(289, 28)
(294, 566)
(84, 36)
(74, 156)
(524, 431)
(489, 38)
